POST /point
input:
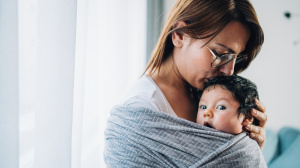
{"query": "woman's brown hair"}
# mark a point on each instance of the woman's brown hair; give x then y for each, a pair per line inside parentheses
(208, 18)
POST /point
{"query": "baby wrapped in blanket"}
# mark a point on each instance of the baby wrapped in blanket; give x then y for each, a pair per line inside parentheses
(141, 137)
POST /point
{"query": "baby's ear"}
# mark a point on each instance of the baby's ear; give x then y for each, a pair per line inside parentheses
(251, 119)
(247, 121)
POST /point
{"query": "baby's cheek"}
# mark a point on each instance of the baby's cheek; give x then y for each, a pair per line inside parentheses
(237, 127)
(198, 120)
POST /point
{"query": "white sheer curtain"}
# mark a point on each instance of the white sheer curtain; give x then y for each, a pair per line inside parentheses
(111, 50)
(63, 65)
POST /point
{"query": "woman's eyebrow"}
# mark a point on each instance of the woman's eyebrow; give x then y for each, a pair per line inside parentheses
(229, 49)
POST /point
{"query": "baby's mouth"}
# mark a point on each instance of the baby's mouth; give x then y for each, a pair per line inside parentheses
(207, 124)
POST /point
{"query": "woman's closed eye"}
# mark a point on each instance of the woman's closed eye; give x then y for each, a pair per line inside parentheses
(219, 54)
(216, 53)
(221, 107)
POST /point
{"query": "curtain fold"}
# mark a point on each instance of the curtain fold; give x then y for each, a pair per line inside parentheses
(37, 81)
(56, 30)
(9, 89)
(112, 56)
(63, 65)
(155, 14)
(27, 58)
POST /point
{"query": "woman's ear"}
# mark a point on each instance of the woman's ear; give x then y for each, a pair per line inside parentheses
(177, 37)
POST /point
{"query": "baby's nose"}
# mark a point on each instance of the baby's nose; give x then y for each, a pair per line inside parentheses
(208, 113)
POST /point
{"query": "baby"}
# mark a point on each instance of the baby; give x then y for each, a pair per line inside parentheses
(226, 102)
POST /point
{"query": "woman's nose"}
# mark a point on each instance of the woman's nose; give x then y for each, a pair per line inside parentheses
(228, 69)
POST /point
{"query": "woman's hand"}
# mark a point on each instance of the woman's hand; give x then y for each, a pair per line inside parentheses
(258, 133)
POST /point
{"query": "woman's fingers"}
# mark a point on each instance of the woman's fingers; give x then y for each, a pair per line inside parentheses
(259, 139)
(262, 117)
(261, 107)
(260, 113)
(254, 129)
(257, 133)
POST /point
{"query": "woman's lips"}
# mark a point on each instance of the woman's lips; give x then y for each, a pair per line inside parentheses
(210, 78)
(207, 79)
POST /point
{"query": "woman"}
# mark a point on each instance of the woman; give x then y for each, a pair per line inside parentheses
(201, 39)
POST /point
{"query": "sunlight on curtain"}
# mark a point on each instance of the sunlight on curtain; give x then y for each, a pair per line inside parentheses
(110, 54)
(37, 56)
(63, 65)
(27, 16)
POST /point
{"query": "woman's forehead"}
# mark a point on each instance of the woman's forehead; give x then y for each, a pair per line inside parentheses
(234, 37)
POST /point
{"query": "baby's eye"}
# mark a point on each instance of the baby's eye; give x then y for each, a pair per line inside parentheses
(221, 107)
(203, 107)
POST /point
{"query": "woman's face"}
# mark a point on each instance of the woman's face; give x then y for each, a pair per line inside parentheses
(193, 61)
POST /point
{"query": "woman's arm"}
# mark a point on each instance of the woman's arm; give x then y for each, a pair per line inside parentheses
(258, 133)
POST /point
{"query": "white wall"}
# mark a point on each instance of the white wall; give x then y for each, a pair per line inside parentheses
(276, 69)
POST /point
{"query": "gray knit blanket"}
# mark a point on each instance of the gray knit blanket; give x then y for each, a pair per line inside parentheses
(140, 137)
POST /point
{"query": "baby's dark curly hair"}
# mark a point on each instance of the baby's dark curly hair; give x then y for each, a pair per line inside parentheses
(242, 89)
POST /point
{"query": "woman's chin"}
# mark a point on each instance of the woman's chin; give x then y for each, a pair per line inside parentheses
(200, 86)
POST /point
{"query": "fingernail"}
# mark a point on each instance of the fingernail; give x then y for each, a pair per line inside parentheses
(253, 135)
(248, 126)
(254, 112)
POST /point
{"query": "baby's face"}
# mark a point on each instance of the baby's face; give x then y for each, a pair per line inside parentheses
(219, 109)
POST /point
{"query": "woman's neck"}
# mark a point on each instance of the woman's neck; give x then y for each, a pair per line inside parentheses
(176, 90)
(169, 74)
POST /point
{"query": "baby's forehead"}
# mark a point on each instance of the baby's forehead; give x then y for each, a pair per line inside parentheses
(215, 87)
(212, 87)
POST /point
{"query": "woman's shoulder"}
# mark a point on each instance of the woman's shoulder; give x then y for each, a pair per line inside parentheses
(145, 93)
(140, 92)
(141, 87)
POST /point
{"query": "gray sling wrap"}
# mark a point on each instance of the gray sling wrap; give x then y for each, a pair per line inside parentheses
(140, 137)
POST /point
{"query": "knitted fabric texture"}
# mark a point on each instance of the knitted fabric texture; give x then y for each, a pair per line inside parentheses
(140, 137)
